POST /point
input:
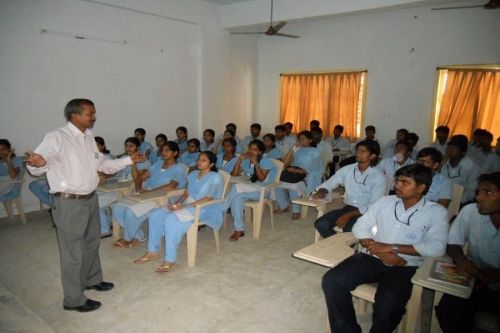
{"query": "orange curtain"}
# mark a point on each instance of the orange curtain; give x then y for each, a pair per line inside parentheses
(331, 98)
(471, 100)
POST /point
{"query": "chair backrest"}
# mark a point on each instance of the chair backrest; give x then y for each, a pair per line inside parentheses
(279, 168)
(226, 176)
(456, 197)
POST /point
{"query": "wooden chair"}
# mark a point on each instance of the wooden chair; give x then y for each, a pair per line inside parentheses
(258, 206)
(456, 197)
(192, 233)
(18, 201)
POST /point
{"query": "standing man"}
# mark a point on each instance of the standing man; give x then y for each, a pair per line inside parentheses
(71, 160)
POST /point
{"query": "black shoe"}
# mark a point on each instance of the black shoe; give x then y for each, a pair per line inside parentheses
(103, 286)
(89, 305)
(52, 218)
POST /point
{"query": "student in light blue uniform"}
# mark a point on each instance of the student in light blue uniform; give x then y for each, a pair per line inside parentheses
(226, 160)
(40, 188)
(271, 150)
(228, 134)
(190, 156)
(261, 172)
(282, 143)
(101, 146)
(11, 168)
(441, 190)
(364, 184)
(145, 147)
(160, 140)
(255, 129)
(166, 174)
(304, 155)
(182, 138)
(173, 222)
(125, 175)
(208, 140)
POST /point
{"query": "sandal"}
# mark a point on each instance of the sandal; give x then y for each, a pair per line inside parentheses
(164, 267)
(121, 243)
(281, 211)
(135, 242)
(295, 216)
(148, 256)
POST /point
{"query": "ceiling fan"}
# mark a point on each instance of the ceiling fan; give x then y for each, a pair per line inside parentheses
(271, 31)
(491, 4)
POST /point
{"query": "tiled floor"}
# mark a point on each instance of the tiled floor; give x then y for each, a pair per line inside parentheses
(251, 286)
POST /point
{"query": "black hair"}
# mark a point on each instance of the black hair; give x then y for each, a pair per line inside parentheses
(308, 135)
(231, 141)
(460, 141)
(212, 158)
(340, 127)
(280, 128)
(196, 143)
(493, 177)
(182, 129)
(405, 143)
(314, 122)
(75, 106)
(256, 125)
(317, 130)
(230, 131)
(231, 125)
(412, 137)
(100, 140)
(133, 140)
(173, 146)
(443, 128)
(419, 173)
(373, 147)
(5, 143)
(260, 145)
(288, 124)
(162, 136)
(436, 155)
(403, 130)
(210, 131)
(370, 128)
(271, 137)
(140, 130)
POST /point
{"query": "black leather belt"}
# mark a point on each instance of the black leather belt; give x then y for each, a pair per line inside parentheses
(74, 196)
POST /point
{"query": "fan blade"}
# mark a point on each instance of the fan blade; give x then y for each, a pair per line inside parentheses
(285, 35)
(459, 7)
(279, 26)
(247, 33)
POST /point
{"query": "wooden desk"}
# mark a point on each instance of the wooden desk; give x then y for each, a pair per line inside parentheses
(420, 280)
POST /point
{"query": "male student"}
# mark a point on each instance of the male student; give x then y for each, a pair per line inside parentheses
(401, 158)
(282, 143)
(391, 145)
(477, 226)
(364, 184)
(441, 189)
(255, 129)
(409, 227)
(442, 133)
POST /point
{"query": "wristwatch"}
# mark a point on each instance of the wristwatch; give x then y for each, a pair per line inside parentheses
(395, 248)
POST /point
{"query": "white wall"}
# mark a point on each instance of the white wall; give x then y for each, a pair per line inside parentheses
(175, 68)
(400, 81)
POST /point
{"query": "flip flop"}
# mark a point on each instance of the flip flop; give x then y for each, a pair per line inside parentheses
(165, 267)
(121, 243)
(145, 258)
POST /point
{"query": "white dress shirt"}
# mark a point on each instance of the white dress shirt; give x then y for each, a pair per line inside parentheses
(424, 225)
(466, 174)
(73, 161)
(340, 143)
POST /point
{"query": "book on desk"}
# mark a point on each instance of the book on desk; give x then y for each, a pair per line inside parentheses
(448, 273)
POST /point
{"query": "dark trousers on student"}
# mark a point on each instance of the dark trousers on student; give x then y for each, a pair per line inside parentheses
(393, 291)
(78, 235)
(456, 315)
(327, 222)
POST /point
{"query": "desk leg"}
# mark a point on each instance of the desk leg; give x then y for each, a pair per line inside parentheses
(434, 322)
(413, 309)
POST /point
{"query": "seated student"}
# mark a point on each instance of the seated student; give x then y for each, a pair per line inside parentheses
(182, 138)
(166, 174)
(146, 147)
(413, 138)
(228, 134)
(11, 168)
(160, 140)
(369, 136)
(364, 184)
(290, 138)
(401, 135)
(254, 134)
(208, 142)
(477, 226)
(338, 143)
(303, 158)
(409, 227)
(106, 199)
(283, 145)
(459, 168)
(483, 156)
(441, 190)
(190, 156)
(442, 133)
(323, 146)
(271, 150)
(401, 158)
(231, 127)
(472, 147)
(203, 184)
(314, 124)
(226, 160)
(101, 146)
(261, 170)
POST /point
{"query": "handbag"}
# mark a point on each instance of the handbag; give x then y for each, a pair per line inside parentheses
(289, 176)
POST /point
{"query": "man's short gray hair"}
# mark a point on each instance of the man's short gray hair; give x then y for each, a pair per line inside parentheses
(75, 106)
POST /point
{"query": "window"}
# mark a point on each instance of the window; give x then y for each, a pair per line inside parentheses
(332, 98)
(468, 97)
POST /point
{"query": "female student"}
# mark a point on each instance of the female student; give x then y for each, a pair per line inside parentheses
(166, 174)
(190, 156)
(271, 150)
(228, 134)
(261, 170)
(101, 146)
(208, 140)
(172, 223)
(226, 160)
(11, 168)
(303, 158)
(160, 140)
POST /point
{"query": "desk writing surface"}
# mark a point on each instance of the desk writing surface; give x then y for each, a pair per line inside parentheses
(114, 186)
(150, 195)
(330, 251)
